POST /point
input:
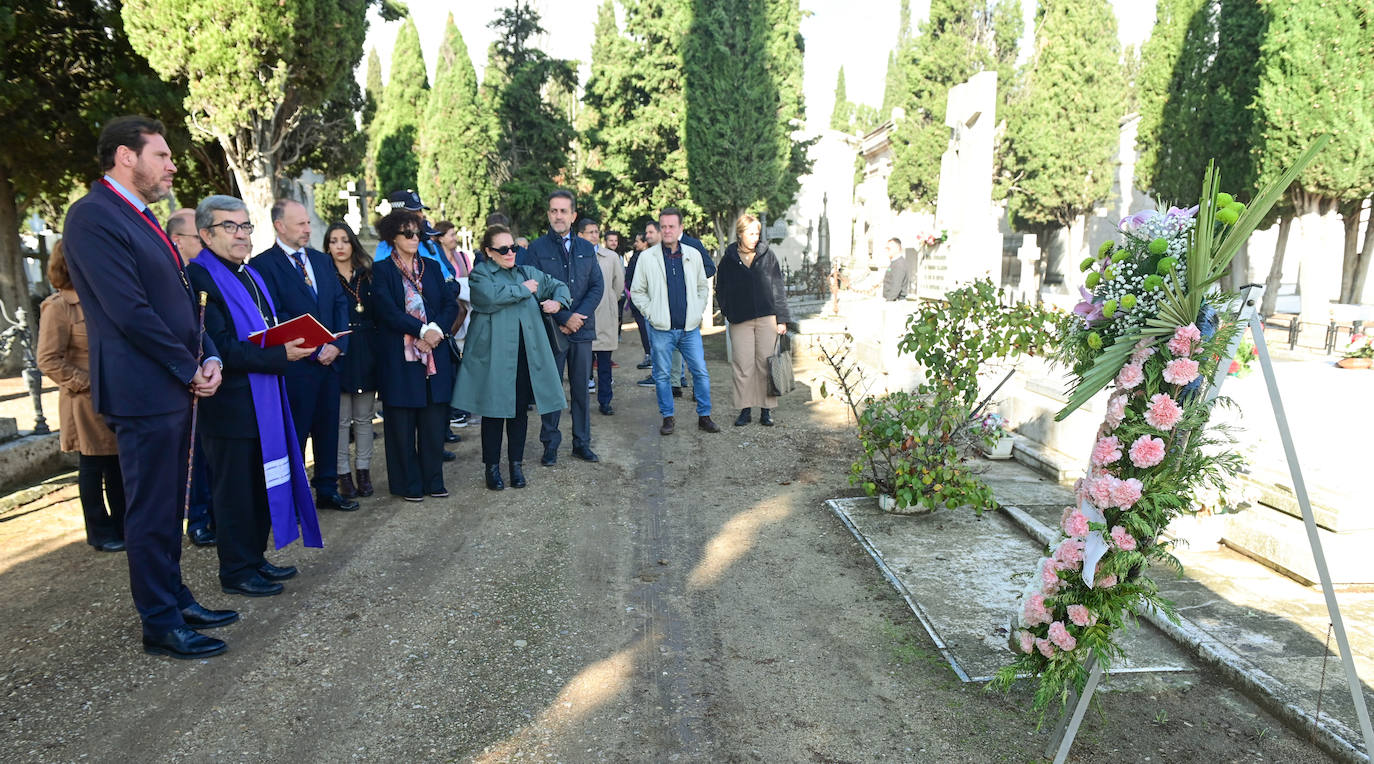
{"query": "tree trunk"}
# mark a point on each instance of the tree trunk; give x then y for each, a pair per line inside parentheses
(258, 194)
(1350, 223)
(1275, 277)
(1362, 265)
(14, 285)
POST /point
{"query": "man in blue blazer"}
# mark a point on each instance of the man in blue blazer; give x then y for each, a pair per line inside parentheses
(303, 280)
(571, 260)
(149, 360)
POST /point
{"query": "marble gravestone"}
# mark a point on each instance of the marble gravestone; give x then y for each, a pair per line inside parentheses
(964, 207)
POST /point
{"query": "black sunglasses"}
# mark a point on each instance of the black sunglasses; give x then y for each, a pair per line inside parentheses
(502, 250)
(409, 234)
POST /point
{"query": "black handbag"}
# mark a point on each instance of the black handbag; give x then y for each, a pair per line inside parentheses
(558, 341)
(780, 378)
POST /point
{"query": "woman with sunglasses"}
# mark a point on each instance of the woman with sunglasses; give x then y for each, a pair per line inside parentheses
(412, 303)
(507, 361)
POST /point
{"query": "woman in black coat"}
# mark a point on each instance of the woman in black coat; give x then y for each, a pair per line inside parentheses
(413, 306)
(357, 367)
(753, 299)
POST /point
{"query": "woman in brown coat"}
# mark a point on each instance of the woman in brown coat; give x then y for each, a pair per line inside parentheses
(63, 355)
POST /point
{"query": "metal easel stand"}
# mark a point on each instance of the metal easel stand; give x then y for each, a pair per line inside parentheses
(1248, 313)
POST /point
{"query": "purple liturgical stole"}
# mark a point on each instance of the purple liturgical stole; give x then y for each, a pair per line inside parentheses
(288, 489)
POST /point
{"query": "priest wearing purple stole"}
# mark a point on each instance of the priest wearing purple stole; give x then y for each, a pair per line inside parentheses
(258, 477)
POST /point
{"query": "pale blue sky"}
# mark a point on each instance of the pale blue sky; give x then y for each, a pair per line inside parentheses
(854, 33)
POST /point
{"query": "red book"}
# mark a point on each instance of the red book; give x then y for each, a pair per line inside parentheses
(303, 326)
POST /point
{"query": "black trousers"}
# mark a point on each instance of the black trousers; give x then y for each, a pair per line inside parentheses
(101, 487)
(517, 426)
(239, 504)
(414, 442)
(153, 453)
(312, 391)
(578, 361)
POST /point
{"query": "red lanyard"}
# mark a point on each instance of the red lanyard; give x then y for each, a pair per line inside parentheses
(161, 234)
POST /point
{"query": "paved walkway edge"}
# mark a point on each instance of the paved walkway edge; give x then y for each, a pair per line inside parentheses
(1331, 735)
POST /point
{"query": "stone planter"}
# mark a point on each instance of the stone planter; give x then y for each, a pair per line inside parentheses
(1001, 449)
(1355, 363)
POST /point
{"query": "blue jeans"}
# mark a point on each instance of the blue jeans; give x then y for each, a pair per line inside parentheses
(661, 347)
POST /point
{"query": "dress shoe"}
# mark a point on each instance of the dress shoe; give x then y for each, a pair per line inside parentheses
(197, 616)
(607, 410)
(252, 586)
(766, 417)
(273, 573)
(449, 456)
(493, 475)
(744, 417)
(184, 643)
(585, 453)
(364, 482)
(335, 501)
(550, 456)
(113, 545)
(667, 427)
(202, 537)
(452, 437)
(517, 475)
(705, 424)
(346, 488)
(647, 363)
(677, 391)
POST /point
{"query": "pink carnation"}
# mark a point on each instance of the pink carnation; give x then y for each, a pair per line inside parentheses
(1106, 582)
(1142, 351)
(1163, 412)
(1185, 339)
(1049, 577)
(1116, 410)
(1046, 649)
(1027, 641)
(1100, 492)
(1147, 451)
(1180, 371)
(1061, 637)
(1069, 553)
(1125, 493)
(1123, 540)
(1130, 375)
(1106, 451)
(1076, 525)
(1081, 616)
(1034, 613)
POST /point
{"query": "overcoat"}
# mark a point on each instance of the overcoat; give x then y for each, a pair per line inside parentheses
(401, 382)
(64, 357)
(608, 310)
(503, 312)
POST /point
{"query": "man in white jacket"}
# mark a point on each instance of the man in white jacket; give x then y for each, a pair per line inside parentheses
(671, 290)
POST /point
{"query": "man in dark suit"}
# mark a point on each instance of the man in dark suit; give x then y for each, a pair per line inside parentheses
(302, 280)
(571, 260)
(148, 360)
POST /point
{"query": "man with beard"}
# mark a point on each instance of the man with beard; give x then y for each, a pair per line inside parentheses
(149, 358)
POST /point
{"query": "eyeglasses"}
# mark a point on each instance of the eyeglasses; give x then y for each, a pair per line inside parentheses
(503, 250)
(409, 234)
(231, 228)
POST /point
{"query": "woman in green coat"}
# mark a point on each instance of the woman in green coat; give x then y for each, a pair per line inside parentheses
(507, 361)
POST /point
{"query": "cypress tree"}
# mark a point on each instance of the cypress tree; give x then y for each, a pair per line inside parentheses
(1063, 135)
(842, 114)
(456, 142)
(396, 139)
(786, 51)
(372, 99)
(1172, 91)
(733, 159)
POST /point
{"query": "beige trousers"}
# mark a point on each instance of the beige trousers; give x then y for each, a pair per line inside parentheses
(751, 342)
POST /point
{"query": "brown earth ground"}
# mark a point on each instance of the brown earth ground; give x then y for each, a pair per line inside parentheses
(690, 598)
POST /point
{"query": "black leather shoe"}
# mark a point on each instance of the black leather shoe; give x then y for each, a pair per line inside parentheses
(452, 437)
(449, 456)
(585, 453)
(745, 417)
(607, 410)
(667, 427)
(202, 537)
(333, 500)
(677, 391)
(550, 456)
(273, 573)
(253, 586)
(113, 545)
(197, 616)
(766, 417)
(517, 475)
(493, 475)
(184, 643)
(705, 424)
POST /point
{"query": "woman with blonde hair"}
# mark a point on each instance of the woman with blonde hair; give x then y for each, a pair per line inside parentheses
(752, 297)
(64, 357)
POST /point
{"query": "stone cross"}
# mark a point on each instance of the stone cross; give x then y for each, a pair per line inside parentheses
(465, 239)
(357, 196)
